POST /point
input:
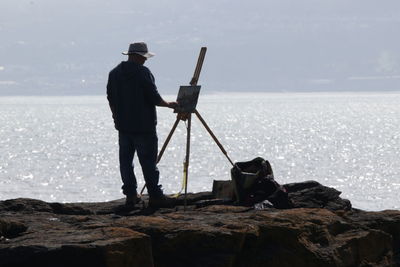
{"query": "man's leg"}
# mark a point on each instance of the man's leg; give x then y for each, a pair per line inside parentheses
(147, 148)
(126, 153)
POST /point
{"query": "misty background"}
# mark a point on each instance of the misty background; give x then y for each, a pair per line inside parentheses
(67, 47)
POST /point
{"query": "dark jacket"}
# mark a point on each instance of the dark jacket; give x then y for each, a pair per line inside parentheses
(133, 96)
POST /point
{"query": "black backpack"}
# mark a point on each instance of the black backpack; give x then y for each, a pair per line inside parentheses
(254, 182)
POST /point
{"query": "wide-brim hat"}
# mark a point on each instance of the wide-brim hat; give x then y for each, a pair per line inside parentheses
(139, 48)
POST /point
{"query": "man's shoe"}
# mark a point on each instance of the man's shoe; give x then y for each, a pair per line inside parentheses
(162, 202)
(132, 200)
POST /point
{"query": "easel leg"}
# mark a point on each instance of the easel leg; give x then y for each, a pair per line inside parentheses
(213, 136)
(167, 140)
(186, 166)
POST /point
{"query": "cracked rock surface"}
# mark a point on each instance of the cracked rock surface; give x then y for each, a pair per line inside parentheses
(321, 230)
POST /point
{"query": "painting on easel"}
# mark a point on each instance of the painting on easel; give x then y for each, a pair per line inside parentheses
(187, 99)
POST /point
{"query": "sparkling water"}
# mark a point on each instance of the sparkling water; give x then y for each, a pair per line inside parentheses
(65, 148)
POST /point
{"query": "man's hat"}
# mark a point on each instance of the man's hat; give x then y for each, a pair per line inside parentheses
(139, 48)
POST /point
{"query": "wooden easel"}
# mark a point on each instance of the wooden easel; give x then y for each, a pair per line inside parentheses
(188, 117)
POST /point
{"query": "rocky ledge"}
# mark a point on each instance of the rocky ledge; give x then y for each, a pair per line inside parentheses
(320, 230)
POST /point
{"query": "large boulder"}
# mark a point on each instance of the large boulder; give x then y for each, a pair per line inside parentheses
(311, 194)
(322, 230)
(49, 240)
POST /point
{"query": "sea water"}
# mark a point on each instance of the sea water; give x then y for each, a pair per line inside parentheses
(65, 149)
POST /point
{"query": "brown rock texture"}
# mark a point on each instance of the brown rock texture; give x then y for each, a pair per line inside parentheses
(321, 230)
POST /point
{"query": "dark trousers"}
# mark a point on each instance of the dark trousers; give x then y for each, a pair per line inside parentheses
(146, 146)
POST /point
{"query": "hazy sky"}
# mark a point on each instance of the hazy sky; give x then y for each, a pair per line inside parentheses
(69, 46)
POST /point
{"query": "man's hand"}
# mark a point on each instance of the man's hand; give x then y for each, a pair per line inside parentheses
(164, 103)
(172, 104)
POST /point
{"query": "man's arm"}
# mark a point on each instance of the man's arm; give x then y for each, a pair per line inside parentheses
(110, 94)
(151, 91)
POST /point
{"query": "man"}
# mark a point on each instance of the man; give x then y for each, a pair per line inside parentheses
(133, 97)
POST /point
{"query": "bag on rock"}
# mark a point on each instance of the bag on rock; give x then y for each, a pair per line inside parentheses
(254, 182)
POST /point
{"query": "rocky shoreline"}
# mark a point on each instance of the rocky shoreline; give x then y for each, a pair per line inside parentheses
(321, 229)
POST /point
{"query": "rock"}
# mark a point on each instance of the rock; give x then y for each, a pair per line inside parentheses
(10, 228)
(311, 194)
(103, 246)
(324, 231)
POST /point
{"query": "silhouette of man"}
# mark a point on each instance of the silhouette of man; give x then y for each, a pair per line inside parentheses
(133, 97)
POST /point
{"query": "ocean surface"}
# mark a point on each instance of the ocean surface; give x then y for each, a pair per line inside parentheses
(65, 149)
